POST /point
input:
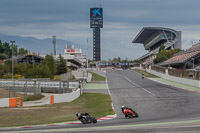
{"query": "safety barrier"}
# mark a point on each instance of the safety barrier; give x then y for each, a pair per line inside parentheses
(67, 97)
(52, 99)
(16, 102)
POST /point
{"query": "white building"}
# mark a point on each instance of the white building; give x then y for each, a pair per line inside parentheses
(75, 58)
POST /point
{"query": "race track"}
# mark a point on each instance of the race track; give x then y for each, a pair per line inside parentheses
(161, 108)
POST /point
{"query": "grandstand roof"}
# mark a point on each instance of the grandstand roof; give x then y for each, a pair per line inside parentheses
(147, 32)
(184, 56)
(30, 58)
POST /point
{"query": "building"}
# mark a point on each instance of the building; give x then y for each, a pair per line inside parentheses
(30, 58)
(153, 37)
(75, 58)
(188, 59)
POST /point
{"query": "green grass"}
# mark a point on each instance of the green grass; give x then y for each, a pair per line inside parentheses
(98, 105)
(97, 77)
(57, 77)
(33, 97)
(146, 74)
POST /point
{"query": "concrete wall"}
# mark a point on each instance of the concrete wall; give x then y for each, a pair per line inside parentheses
(89, 78)
(4, 102)
(68, 97)
(191, 82)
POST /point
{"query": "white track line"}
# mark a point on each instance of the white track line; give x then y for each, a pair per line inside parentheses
(110, 96)
(139, 86)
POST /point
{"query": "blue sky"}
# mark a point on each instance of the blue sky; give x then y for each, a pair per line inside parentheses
(123, 19)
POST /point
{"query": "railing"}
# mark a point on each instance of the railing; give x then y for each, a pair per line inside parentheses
(38, 87)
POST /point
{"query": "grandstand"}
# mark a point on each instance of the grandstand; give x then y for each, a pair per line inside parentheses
(188, 59)
(30, 58)
(153, 37)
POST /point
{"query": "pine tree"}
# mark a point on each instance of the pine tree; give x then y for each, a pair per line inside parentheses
(62, 65)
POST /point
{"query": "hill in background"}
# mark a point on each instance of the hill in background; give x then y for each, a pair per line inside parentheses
(42, 46)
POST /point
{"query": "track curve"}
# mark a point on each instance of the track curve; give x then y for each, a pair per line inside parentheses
(159, 107)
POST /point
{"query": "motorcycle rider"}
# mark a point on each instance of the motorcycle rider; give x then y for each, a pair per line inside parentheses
(86, 118)
(79, 115)
(142, 76)
(123, 108)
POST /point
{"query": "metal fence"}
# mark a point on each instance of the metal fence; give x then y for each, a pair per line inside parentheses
(66, 76)
(34, 87)
(15, 88)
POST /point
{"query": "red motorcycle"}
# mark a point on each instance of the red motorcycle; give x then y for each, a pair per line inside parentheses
(129, 113)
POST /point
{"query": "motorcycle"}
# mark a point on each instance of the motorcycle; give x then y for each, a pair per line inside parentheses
(142, 76)
(130, 113)
(86, 118)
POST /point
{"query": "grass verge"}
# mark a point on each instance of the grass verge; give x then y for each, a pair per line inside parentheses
(146, 74)
(98, 105)
(97, 77)
(56, 77)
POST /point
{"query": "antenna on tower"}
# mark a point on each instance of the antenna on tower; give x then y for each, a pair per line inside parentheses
(87, 55)
(54, 46)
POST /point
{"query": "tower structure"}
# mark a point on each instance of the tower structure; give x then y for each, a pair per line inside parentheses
(54, 46)
(96, 22)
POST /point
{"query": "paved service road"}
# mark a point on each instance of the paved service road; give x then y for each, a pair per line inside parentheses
(161, 108)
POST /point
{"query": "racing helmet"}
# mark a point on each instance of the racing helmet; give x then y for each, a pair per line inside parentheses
(77, 114)
(122, 106)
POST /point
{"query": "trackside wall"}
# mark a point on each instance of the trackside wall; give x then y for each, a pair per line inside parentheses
(4, 102)
(68, 97)
(191, 82)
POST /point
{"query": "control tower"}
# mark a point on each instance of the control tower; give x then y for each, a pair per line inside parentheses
(96, 22)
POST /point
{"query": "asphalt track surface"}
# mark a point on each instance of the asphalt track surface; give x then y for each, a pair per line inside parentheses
(161, 108)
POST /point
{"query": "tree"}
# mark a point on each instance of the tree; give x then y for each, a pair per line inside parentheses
(119, 59)
(162, 47)
(22, 51)
(115, 60)
(2, 48)
(50, 62)
(61, 65)
(165, 54)
(7, 49)
(3, 56)
(21, 69)
(39, 71)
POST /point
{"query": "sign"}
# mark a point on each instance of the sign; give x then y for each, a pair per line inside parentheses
(96, 23)
(96, 13)
(72, 50)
